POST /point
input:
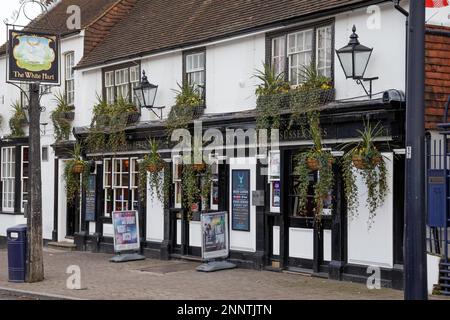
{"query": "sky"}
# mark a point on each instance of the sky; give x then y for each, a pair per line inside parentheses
(8, 7)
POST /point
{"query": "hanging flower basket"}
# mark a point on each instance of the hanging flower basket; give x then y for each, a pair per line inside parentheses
(78, 168)
(358, 162)
(154, 167)
(199, 167)
(313, 164)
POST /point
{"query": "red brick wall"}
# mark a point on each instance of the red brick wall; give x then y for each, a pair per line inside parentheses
(437, 79)
(99, 29)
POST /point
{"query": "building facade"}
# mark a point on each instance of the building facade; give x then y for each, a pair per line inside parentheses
(218, 48)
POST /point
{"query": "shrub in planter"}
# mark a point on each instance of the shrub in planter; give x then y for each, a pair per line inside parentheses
(76, 175)
(62, 117)
(18, 120)
(369, 162)
(189, 105)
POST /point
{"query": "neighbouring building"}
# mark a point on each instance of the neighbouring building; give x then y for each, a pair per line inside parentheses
(217, 47)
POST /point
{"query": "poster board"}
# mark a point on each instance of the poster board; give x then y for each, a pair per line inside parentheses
(214, 235)
(126, 231)
(240, 209)
(33, 57)
(90, 199)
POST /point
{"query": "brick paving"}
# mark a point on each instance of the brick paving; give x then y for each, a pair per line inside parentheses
(178, 280)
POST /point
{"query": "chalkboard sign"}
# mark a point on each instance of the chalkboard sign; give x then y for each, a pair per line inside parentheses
(241, 200)
(90, 199)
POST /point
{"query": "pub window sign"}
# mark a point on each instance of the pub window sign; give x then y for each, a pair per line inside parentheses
(33, 57)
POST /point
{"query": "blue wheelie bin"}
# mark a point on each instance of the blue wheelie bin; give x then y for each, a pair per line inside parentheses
(17, 253)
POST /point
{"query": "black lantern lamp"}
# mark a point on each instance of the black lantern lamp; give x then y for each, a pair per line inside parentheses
(145, 94)
(354, 59)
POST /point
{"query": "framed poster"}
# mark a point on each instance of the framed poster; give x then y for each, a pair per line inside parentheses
(90, 199)
(276, 194)
(240, 208)
(33, 57)
(126, 231)
(214, 235)
(274, 165)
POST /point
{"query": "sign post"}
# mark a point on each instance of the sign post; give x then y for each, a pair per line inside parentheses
(126, 236)
(33, 58)
(215, 242)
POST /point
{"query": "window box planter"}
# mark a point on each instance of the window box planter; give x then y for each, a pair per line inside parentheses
(133, 118)
(70, 116)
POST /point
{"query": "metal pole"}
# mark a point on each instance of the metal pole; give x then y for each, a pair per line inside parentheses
(35, 263)
(415, 266)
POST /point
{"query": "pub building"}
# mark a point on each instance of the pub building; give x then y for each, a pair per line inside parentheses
(268, 228)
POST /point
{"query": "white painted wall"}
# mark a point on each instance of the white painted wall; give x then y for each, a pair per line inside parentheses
(388, 57)
(243, 240)
(301, 243)
(155, 218)
(8, 221)
(195, 233)
(373, 247)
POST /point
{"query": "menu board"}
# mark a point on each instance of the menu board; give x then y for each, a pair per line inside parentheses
(215, 236)
(90, 199)
(240, 200)
(126, 231)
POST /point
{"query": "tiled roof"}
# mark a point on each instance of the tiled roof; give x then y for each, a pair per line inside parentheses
(437, 74)
(56, 18)
(158, 25)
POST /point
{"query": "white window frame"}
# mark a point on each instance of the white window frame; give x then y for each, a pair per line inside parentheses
(135, 80)
(122, 83)
(177, 160)
(8, 162)
(328, 63)
(193, 72)
(303, 51)
(69, 60)
(279, 58)
(22, 177)
(110, 87)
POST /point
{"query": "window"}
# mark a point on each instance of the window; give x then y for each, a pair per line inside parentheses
(196, 71)
(299, 54)
(70, 79)
(24, 176)
(279, 54)
(121, 82)
(324, 51)
(109, 87)
(8, 177)
(294, 51)
(120, 183)
(177, 167)
(134, 80)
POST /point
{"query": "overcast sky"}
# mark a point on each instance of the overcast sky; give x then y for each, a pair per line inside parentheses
(8, 7)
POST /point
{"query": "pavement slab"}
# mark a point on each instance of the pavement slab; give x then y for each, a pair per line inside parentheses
(175, 280)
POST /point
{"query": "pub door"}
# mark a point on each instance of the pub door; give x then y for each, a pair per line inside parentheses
(307, 242)
(73, 221)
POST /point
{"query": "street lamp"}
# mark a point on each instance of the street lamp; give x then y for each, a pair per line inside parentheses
(145, 94)
(354, 59)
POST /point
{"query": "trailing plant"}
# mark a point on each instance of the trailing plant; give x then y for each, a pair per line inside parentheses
(272, 95)
(315, 159)
(191, 192)
(369, 162)
(189, 104)
(61, 120)
(18, 120)
(108, 125)
(151, 167)
(76, 168)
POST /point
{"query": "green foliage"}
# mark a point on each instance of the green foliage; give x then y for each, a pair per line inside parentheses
(156, 164)
(373, 171)
(18, 120)
(188, 103)
(271, 82)
(61, 124)
(191, 192)
(109, 121)
(302, 171)
(72, 179)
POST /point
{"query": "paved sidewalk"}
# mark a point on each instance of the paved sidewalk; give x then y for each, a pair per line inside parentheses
(178, 280)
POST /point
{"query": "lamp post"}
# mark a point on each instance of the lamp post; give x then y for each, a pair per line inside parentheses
(145, 94)
(354, 59)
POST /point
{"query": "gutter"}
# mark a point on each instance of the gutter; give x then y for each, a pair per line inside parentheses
(235, 35)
